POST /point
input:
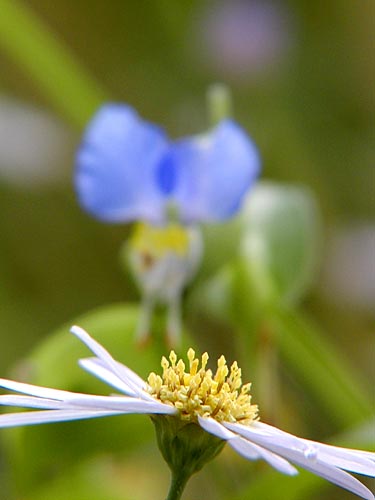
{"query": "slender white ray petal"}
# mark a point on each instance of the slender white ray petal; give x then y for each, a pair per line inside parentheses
(351, 460)
(214, 427)
(329, 472)
(97, 368)
(124, 373)
(253, 451)
(359, 466)
(362, 453)
(244, 447)
(308, 448)
(312, 463)
(34, 390)
(122, 403)
(267, 434)
(32, 402)
(131, 375)
(50, 416)
(269, 429)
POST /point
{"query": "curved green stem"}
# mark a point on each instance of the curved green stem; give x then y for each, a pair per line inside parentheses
(178, 483)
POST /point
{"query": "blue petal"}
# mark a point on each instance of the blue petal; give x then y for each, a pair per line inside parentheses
(116, 166)
(166, 175)
(213, 173)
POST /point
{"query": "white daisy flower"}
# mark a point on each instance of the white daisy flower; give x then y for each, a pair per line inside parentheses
(185, 404)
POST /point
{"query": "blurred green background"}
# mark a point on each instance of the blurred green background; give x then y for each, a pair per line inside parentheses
(302, 79)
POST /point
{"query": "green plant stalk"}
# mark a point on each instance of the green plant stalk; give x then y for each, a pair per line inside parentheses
(178, 483)
(219, 103)
(49, 63)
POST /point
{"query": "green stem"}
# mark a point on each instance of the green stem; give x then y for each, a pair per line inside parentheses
(178, 483)
(219, 103)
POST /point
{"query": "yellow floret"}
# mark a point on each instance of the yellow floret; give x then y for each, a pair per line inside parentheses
(200, 393)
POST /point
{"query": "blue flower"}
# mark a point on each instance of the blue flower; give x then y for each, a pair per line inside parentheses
(128, 169)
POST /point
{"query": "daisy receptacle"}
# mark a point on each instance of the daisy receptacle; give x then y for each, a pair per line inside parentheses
(195, 412)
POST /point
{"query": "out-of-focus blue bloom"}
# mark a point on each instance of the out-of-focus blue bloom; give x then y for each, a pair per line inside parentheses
(128, 169)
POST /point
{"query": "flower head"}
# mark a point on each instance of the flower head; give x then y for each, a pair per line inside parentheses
(128, 169)
(200, 393)
(194, 412)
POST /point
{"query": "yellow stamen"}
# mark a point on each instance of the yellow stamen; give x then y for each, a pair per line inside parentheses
(155, 242)
(200, 393)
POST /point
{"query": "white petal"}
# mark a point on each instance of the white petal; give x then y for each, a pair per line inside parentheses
(131, 375)
(289, 440)
(54, 394)
(122, 371)
(245, 448)
(31, 402)
(253, 451)
(313, 464)
(49, 416)
(96, 367)
(34, 390)
(351, 460)
(266, 434)
(331, 473)
(213, 427)
(123, 404)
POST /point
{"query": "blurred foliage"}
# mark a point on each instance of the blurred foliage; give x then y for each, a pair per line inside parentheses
(263, 274)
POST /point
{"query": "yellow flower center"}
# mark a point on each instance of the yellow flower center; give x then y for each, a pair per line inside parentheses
(160, 240)
(200, 393)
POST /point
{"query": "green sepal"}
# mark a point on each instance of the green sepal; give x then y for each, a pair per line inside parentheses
(186, 448)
